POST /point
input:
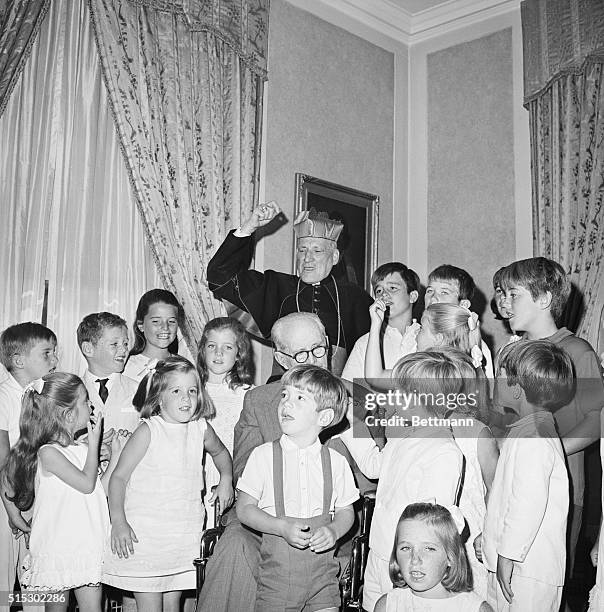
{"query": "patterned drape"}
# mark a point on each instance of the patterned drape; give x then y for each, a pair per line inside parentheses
(564, 93)
(184, 79)
(20, 22)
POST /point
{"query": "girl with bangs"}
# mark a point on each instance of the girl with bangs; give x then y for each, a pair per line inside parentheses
(155, 491)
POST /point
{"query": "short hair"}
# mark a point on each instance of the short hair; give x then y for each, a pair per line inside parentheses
(326, 388)
(497, 278)
(147, 398)
(440, 373)
(452, 321)
(20, 339)
(154, 296)
(449, 273)
(459, 577)
(539, 275)
(92, 326)
(542, 369)
(295, 318)
(408, 275)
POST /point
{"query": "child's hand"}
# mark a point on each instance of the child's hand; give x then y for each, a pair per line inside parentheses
(223, 494)
(94, 432)
(295, 533)
(122, 536)
(323, 539)
(478, 547)
(106, 444)
(376, 312)
(593, 555)
(19, 526)
(505, 567)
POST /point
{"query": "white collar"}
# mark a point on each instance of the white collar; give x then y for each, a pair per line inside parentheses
(288, 446)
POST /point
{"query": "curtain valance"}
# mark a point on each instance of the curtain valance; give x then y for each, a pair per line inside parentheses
(559, 36)
(241, 24)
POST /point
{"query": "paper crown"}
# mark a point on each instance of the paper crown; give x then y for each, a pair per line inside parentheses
(314, 224)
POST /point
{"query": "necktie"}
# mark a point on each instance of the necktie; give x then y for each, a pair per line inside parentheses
(103, 391)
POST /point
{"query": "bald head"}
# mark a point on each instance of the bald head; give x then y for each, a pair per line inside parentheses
(299, 331)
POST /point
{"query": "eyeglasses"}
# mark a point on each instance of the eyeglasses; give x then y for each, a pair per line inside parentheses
(302, 356)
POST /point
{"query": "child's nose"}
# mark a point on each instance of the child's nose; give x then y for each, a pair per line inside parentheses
(416, 558)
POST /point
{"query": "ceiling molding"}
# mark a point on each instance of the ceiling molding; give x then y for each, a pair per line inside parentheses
(390, 19)
(456, 14)
(383, 16)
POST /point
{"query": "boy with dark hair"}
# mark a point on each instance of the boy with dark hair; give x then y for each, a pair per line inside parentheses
(453, 285)
(103, 340)
(28, 352)
(289, 491)
(524, 537)
(535, 291)
(399, 287)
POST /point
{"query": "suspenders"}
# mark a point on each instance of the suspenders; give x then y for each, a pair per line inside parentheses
(278, 479)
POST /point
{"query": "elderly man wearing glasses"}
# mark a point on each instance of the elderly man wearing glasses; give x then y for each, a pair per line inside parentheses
(342, 307)
(230, 584)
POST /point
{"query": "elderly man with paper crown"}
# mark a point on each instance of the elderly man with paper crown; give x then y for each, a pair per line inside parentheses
(342, 307)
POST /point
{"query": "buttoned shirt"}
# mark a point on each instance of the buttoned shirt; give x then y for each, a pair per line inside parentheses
(302, 479)
(118, 410)
(11, 395)
(395, 343)
(528, 502)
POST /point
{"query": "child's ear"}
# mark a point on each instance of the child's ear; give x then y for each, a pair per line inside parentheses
(326, 417)
(545, 300)
(465, 304)
(413, 297)
(439, 339)
(517, 391)
(87, 348)
(139, 325)
(17, 361)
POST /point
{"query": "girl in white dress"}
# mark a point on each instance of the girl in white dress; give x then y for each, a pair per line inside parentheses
(428, 565)
(48, 468)
(158, 316)
(155, 491)
(225, 363)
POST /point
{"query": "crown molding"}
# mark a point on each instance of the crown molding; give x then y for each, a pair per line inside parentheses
(456, 14)
(388, 19)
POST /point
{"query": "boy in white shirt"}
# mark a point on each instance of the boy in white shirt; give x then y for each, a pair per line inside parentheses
(28, 352)
(103, 340)
(299, 495)
(524, 539)
(398, 286)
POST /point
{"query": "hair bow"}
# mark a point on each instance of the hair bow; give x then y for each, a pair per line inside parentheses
(458, 518)
(472, 321)
(150, 371)
(477, 356)
(151, 366)
(35, 385)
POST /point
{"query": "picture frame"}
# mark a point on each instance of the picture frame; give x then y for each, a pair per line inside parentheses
(358, 210)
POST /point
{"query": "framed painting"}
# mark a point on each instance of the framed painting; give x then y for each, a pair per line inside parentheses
(358, 211)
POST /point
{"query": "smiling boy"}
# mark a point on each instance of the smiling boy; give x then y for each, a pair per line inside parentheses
(289, 491)
(103, 340)
(452, 285)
